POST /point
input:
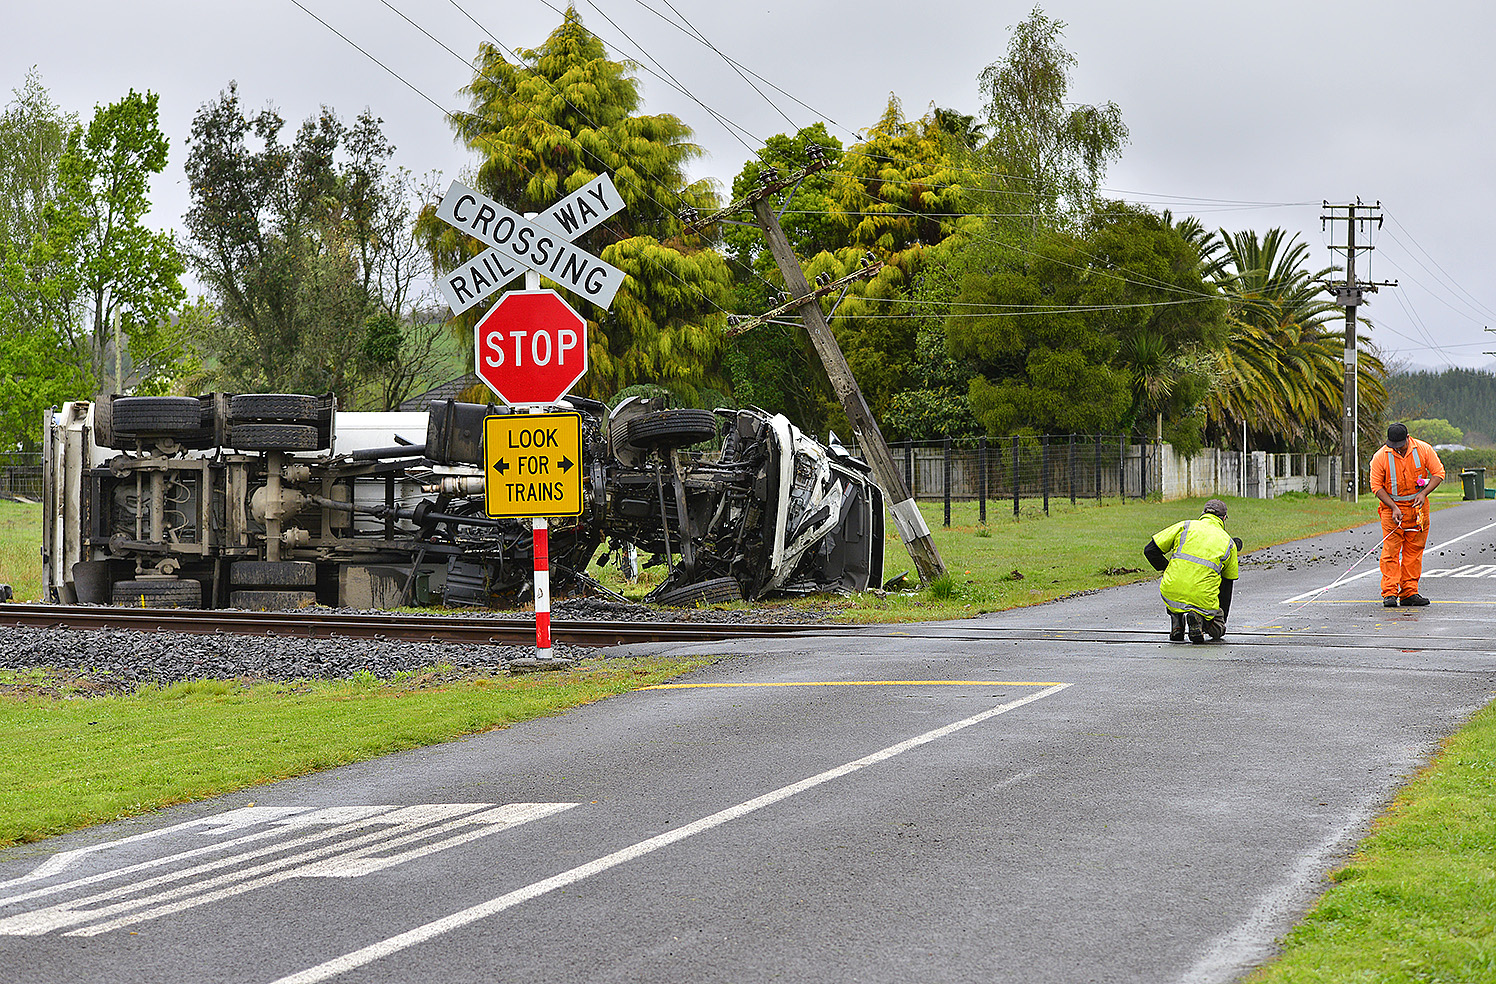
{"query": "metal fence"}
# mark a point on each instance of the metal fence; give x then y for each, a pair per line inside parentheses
(21, 475)
(1010, 470)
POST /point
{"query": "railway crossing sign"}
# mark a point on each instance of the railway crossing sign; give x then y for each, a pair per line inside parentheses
(542, 244)
(533, 464)
(532, 348)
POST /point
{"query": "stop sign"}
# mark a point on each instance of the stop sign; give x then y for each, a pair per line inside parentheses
(532, 348)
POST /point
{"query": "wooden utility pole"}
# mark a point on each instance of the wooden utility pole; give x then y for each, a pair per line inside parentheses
(1350, 295)
(906, 515)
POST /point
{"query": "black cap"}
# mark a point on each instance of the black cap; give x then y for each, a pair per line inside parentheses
(1397, 433)
(1215, 507)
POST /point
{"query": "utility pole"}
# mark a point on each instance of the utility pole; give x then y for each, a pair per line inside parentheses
(1349, 296)
(806, 301)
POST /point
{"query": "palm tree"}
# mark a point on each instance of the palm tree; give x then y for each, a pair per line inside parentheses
(1282, 371)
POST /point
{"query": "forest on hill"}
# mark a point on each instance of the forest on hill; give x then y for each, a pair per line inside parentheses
(1464, 397)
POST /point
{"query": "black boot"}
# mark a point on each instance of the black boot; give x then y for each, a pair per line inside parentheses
(1176, 626)
(1193, 626)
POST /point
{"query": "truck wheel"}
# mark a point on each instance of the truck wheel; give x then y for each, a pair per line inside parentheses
(717, 591)
(672, 428)
(158, 593)
(267, 601)
(273, 437)
(273, 574)
(103, 422)
(156, 414)
(294, 408)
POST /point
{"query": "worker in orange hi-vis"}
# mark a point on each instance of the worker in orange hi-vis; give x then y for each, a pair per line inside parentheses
(1402, 475)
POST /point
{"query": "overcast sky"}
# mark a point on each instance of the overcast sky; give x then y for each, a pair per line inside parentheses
(1248, 116)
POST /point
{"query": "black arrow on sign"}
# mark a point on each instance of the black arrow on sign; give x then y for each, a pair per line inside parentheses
(501, 466)
(565, 464)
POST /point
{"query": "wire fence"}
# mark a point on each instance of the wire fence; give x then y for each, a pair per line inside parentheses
(21, 475)
(1006, 472)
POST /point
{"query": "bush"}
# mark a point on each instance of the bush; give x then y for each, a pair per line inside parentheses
(1458, 461)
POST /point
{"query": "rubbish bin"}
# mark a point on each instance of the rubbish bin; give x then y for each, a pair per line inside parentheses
(1468, 478)
(1480, 483)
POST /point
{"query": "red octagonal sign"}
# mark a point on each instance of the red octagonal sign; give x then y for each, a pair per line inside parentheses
(532, 348)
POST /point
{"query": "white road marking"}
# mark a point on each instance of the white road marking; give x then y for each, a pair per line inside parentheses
(422, 826)
(431, 930)
(308, 819)
(1338, 582)
(243, 817)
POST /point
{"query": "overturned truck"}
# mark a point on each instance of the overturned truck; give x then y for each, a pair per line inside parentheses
(266, 501)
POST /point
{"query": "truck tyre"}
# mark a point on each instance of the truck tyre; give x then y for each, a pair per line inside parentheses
(156, 414)
(158, 592)
(103, 422)
(672, 428)
(268, 601)
(291, 408)
(273, 574)
(717, 591)
(273, 437)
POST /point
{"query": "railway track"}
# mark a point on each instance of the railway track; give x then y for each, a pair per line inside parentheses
(520, 630)
(472, 630)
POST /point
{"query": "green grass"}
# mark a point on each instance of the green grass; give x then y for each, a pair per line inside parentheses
(73, 757)
(20, 549)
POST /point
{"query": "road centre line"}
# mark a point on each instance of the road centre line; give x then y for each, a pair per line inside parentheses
(431, 930)
(856, 683)
(1338, 582)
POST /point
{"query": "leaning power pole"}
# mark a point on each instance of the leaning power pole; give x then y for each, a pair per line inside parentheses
(806, 302)
(1350, 295)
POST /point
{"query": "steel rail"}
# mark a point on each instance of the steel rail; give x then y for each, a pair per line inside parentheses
(520, 630)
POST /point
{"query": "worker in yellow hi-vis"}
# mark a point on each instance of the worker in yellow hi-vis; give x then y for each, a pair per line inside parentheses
(1200, 564)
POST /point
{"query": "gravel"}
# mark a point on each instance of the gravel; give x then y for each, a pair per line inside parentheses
(122, 659)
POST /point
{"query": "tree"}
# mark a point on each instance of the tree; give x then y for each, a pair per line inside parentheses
(127, 278)
(1046, 150)
(86, 291)
(890, 197)
(33, 134)
(1436, 431)
(37, 365)
(546, 126)
(1045, 364)
(301, 244)
(1102, 329)
(1282, 370)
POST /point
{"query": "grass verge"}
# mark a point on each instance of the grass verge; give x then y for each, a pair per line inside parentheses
(20, 548)
(71, 759)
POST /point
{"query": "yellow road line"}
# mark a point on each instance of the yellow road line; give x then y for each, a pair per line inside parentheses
(859, 683)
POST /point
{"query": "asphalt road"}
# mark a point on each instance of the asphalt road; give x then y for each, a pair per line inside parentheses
(1056, 794)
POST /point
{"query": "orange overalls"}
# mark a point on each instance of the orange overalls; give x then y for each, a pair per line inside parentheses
(1399, 476)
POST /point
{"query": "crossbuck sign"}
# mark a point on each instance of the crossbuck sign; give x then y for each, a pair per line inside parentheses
(543, 244)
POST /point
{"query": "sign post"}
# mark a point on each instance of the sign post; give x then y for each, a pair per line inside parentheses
(531, 350)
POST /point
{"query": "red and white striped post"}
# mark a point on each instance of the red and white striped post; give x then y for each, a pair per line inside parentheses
(542, 587)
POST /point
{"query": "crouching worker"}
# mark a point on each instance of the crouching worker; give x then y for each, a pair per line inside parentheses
(1199, 561)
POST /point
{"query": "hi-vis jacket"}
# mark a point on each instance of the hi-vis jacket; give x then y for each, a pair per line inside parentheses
(1200, 554)
(1398, 474)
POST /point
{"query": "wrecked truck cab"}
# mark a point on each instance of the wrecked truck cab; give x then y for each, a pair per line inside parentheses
(741, 504)
(278, 500)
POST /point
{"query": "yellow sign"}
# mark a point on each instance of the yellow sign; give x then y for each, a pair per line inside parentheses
(533, 464)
